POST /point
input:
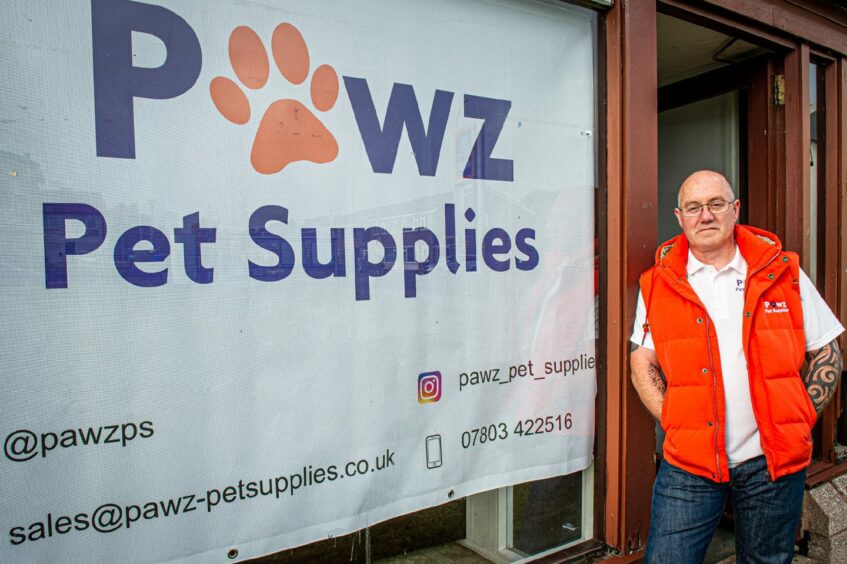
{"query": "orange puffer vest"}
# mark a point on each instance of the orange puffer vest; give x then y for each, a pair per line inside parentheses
(694, 409)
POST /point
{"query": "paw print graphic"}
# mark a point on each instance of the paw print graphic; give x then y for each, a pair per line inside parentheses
(288, 131)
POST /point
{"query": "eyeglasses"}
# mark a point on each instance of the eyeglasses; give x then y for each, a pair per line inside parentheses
(715, 206)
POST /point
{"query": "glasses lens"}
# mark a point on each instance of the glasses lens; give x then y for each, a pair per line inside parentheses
(692, 210)
(718, 206)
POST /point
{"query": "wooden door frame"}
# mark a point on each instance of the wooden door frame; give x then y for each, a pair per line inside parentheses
(628, 221)
(832, 241)
(629, 180)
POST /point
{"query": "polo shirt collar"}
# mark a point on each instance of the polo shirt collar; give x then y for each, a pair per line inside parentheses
(737, 263)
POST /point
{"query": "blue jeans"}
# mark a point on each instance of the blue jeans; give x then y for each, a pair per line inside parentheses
(687, 508)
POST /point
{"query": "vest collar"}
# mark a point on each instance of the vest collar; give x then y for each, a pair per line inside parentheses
(757, 246)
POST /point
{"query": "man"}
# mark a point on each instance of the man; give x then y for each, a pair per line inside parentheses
(729, 318)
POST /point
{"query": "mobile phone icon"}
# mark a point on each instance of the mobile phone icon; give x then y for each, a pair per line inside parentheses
(433, 451)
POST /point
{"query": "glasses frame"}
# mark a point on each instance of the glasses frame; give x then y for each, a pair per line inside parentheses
(687, 213)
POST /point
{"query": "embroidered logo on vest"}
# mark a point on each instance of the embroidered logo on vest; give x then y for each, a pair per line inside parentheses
(776, 307)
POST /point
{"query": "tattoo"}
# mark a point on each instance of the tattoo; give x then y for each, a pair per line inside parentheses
(821, 377)
(656, 379)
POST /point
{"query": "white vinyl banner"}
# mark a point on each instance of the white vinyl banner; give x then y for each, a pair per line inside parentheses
(275, 271)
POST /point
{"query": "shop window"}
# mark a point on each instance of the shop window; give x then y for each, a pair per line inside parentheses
(534, 518)
(507, 524)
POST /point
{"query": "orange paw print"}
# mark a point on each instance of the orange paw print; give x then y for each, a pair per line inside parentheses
(289, 131)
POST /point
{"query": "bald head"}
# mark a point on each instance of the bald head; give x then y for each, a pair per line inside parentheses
(710, 233)
(704, 178)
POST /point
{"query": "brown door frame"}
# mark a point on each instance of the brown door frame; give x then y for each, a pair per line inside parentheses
(832, 240)
(778, 179)
(629, 222)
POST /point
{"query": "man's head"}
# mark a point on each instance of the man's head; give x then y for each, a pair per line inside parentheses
(706, 222)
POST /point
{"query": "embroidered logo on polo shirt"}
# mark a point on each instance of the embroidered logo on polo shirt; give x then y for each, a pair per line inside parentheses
(775, 307)
(739, 284)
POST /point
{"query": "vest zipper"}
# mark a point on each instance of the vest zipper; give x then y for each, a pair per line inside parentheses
(714, 396)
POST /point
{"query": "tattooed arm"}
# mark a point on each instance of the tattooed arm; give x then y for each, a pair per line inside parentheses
(822, 375)
(647, 380)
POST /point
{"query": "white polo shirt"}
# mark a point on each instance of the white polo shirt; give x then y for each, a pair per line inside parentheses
(722, 292)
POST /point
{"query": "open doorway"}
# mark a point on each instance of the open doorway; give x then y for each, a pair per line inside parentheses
(706, 80)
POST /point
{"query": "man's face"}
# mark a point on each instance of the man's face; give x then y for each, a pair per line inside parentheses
(707, 231)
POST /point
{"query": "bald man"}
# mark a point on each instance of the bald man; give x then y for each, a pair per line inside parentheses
(724, 323)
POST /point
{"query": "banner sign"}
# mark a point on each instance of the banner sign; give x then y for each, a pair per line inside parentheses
(275, 271)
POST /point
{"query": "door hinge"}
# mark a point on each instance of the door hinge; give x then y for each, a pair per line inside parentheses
(779, 89)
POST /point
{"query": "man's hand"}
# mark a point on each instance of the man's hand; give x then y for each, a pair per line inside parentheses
(821, 376)
(647, 379)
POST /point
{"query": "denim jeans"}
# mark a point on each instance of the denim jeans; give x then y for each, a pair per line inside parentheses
(687, 508)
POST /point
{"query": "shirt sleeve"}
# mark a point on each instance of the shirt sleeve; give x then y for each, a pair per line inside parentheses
(819, 323)
(638, 326)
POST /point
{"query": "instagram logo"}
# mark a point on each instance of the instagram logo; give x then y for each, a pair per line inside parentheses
(429, 387)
